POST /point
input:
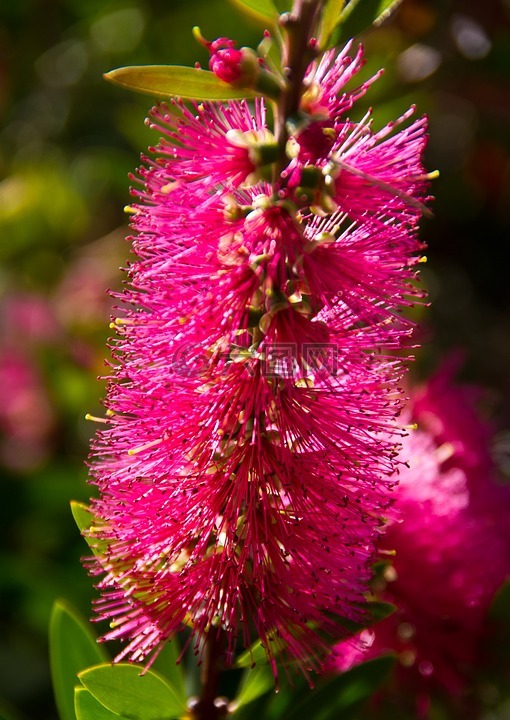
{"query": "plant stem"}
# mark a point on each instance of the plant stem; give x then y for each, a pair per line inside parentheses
(208, 707)
(300, 25)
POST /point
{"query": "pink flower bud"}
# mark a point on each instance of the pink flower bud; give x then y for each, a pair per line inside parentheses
(237, 67)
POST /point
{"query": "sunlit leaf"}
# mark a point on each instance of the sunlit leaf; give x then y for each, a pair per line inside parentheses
(329, 20)
(255, 682)
(125, 691)
(263, 10)
(360, 15)
(88, 708)
(256, 655)
(84, 518)
(72, 649)
(82, 515)
(174, 80)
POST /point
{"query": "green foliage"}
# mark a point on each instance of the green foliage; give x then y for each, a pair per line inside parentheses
(123, 690)
(167, 663)
(72, 649)
(84, 520)
(264, 11)
(82, 515)
(88, 708)
(256, 655)
(336, 696)
(174, 80)
(330, 17)
(255, 683)
(359, 16)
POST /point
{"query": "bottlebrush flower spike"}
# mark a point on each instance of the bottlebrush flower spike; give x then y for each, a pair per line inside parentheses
(249, 452)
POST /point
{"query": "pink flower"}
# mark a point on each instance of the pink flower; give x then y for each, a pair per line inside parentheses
(452, 549)
(369, 172)
(249, 452)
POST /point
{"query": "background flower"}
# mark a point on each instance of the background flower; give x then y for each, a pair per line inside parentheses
(452, 552)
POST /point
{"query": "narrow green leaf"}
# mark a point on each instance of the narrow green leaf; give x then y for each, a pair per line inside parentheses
(82, 515)
(360, 15)
(166, 665)
(72, 649)
(263, 10)
(256, 654)
(375, 611)
(88, 708)
(174, 80)
(84, 518)
(126, 692)
(342, 695)
(254, 683)
(379, 610)
(329, 20)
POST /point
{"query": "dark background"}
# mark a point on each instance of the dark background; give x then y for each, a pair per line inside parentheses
(67, 142)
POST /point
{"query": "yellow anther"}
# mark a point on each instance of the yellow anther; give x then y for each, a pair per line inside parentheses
(147, 446)
(94, 418)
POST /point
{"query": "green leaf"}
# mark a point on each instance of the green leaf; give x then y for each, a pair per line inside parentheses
(379, 610)
(263, 10)
(126, 692)
(329, 20)
(82, 515)
(375, 611)
(72, 649)
(342, 695)
(166, 664)
(360, 15)
(254, 683)
(174, 80)
(88, 708)
(84, 518)
(256, 654)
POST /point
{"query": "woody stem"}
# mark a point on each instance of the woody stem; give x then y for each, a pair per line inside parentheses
(207, 707)
(299, 24)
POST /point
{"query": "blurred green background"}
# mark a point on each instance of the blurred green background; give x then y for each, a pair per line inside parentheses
(67, 143)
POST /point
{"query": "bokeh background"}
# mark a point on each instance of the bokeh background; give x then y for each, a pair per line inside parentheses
(67, 143)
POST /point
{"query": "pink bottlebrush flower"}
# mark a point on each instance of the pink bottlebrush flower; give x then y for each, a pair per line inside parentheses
(452, 549)
(250, 446)
(217, 144)
(369, 172)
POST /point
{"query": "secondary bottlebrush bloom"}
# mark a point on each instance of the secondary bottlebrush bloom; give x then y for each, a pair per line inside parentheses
(452, 549)
(249, 451)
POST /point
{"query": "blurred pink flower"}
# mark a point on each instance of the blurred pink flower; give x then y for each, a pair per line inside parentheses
(452, 548)
(250, 441)
(26, 416)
